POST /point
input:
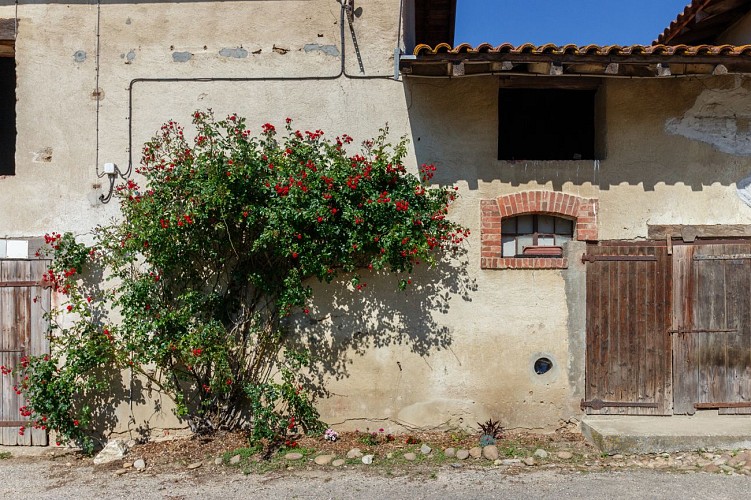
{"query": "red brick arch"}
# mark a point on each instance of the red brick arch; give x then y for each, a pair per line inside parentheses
(582, 210)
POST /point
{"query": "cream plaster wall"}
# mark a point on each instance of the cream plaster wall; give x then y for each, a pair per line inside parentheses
(461, 348)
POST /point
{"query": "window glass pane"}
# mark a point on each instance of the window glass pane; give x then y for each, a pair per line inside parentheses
(524, 224)
(546, 241)
(509, 246)
(509, 225)
(545, 224)
(522, 242)
(564, 226)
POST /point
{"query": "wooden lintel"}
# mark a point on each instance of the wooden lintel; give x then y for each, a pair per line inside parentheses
(539, 68)
(663, 231)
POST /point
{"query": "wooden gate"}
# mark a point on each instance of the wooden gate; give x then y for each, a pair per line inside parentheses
(23, 331)
(628, 369)
(712, 332)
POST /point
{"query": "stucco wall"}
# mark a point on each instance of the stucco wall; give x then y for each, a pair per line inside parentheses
(456, 350)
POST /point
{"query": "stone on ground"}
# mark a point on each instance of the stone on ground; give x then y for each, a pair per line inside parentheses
(235, 460)
(114, 450)
(410, 456)
(120, 472)
(220, 460)
(338, 462)
(367, 459)
(450, 452)
(293, 456)
(462, 454)
(194, 465)
(475, 452)
(425, 449)
(490, 452)
(139, 464)
(564, 455)
(323, 459)
(354, 453)
(529, 461)
(540, 453)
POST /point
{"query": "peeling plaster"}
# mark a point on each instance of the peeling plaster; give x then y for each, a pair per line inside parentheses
(329, 50)
(720, 118)
(237, 53)
(181, 56)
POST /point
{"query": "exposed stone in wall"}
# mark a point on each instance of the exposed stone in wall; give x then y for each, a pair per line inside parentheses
(181, 56)
(237, 53)
(719, 117)
(329, 50)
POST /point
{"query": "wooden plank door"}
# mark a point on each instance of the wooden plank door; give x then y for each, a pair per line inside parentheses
(23, 331)
(712, 339)
(629, 310)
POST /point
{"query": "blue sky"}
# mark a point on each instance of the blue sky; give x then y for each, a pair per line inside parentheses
(604, 22)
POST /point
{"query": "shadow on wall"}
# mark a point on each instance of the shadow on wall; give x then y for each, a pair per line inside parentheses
(123, 388)
(692, 131)
(348, 323)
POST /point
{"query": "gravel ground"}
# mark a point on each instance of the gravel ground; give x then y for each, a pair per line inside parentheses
(41, 478)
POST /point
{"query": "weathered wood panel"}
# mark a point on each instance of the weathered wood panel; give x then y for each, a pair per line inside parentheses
(7, 29)
(629, 313)
(23, 331)
(712, 359)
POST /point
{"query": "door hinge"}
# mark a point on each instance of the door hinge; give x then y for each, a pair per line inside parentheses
(729, 330)
(618, 258)
(599, 404)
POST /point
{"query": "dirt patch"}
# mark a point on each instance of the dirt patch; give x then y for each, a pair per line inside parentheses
(180, 453)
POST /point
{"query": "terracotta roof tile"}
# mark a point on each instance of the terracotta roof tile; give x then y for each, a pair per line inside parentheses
(587, 50)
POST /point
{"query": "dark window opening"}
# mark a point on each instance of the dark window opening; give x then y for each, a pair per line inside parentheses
(7, 116)
(535, 235)
(546, 124)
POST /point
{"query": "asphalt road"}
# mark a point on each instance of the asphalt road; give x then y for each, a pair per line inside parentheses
(43, 479)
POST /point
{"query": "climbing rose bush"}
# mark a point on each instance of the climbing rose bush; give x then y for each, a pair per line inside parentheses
(218, 242)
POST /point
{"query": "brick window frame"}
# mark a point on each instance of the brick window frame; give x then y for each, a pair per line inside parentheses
(582, 210)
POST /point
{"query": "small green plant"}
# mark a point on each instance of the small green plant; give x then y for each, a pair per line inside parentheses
(486, 440)
(5, 455)
(490, 431)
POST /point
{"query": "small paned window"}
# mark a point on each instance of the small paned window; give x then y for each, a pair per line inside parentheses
(535, 235)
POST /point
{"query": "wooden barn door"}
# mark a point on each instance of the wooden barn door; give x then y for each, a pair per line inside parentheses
(628, 368)
(23, 331)
(712, 335)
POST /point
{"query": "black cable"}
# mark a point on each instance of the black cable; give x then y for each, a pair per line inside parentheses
(342, 73)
